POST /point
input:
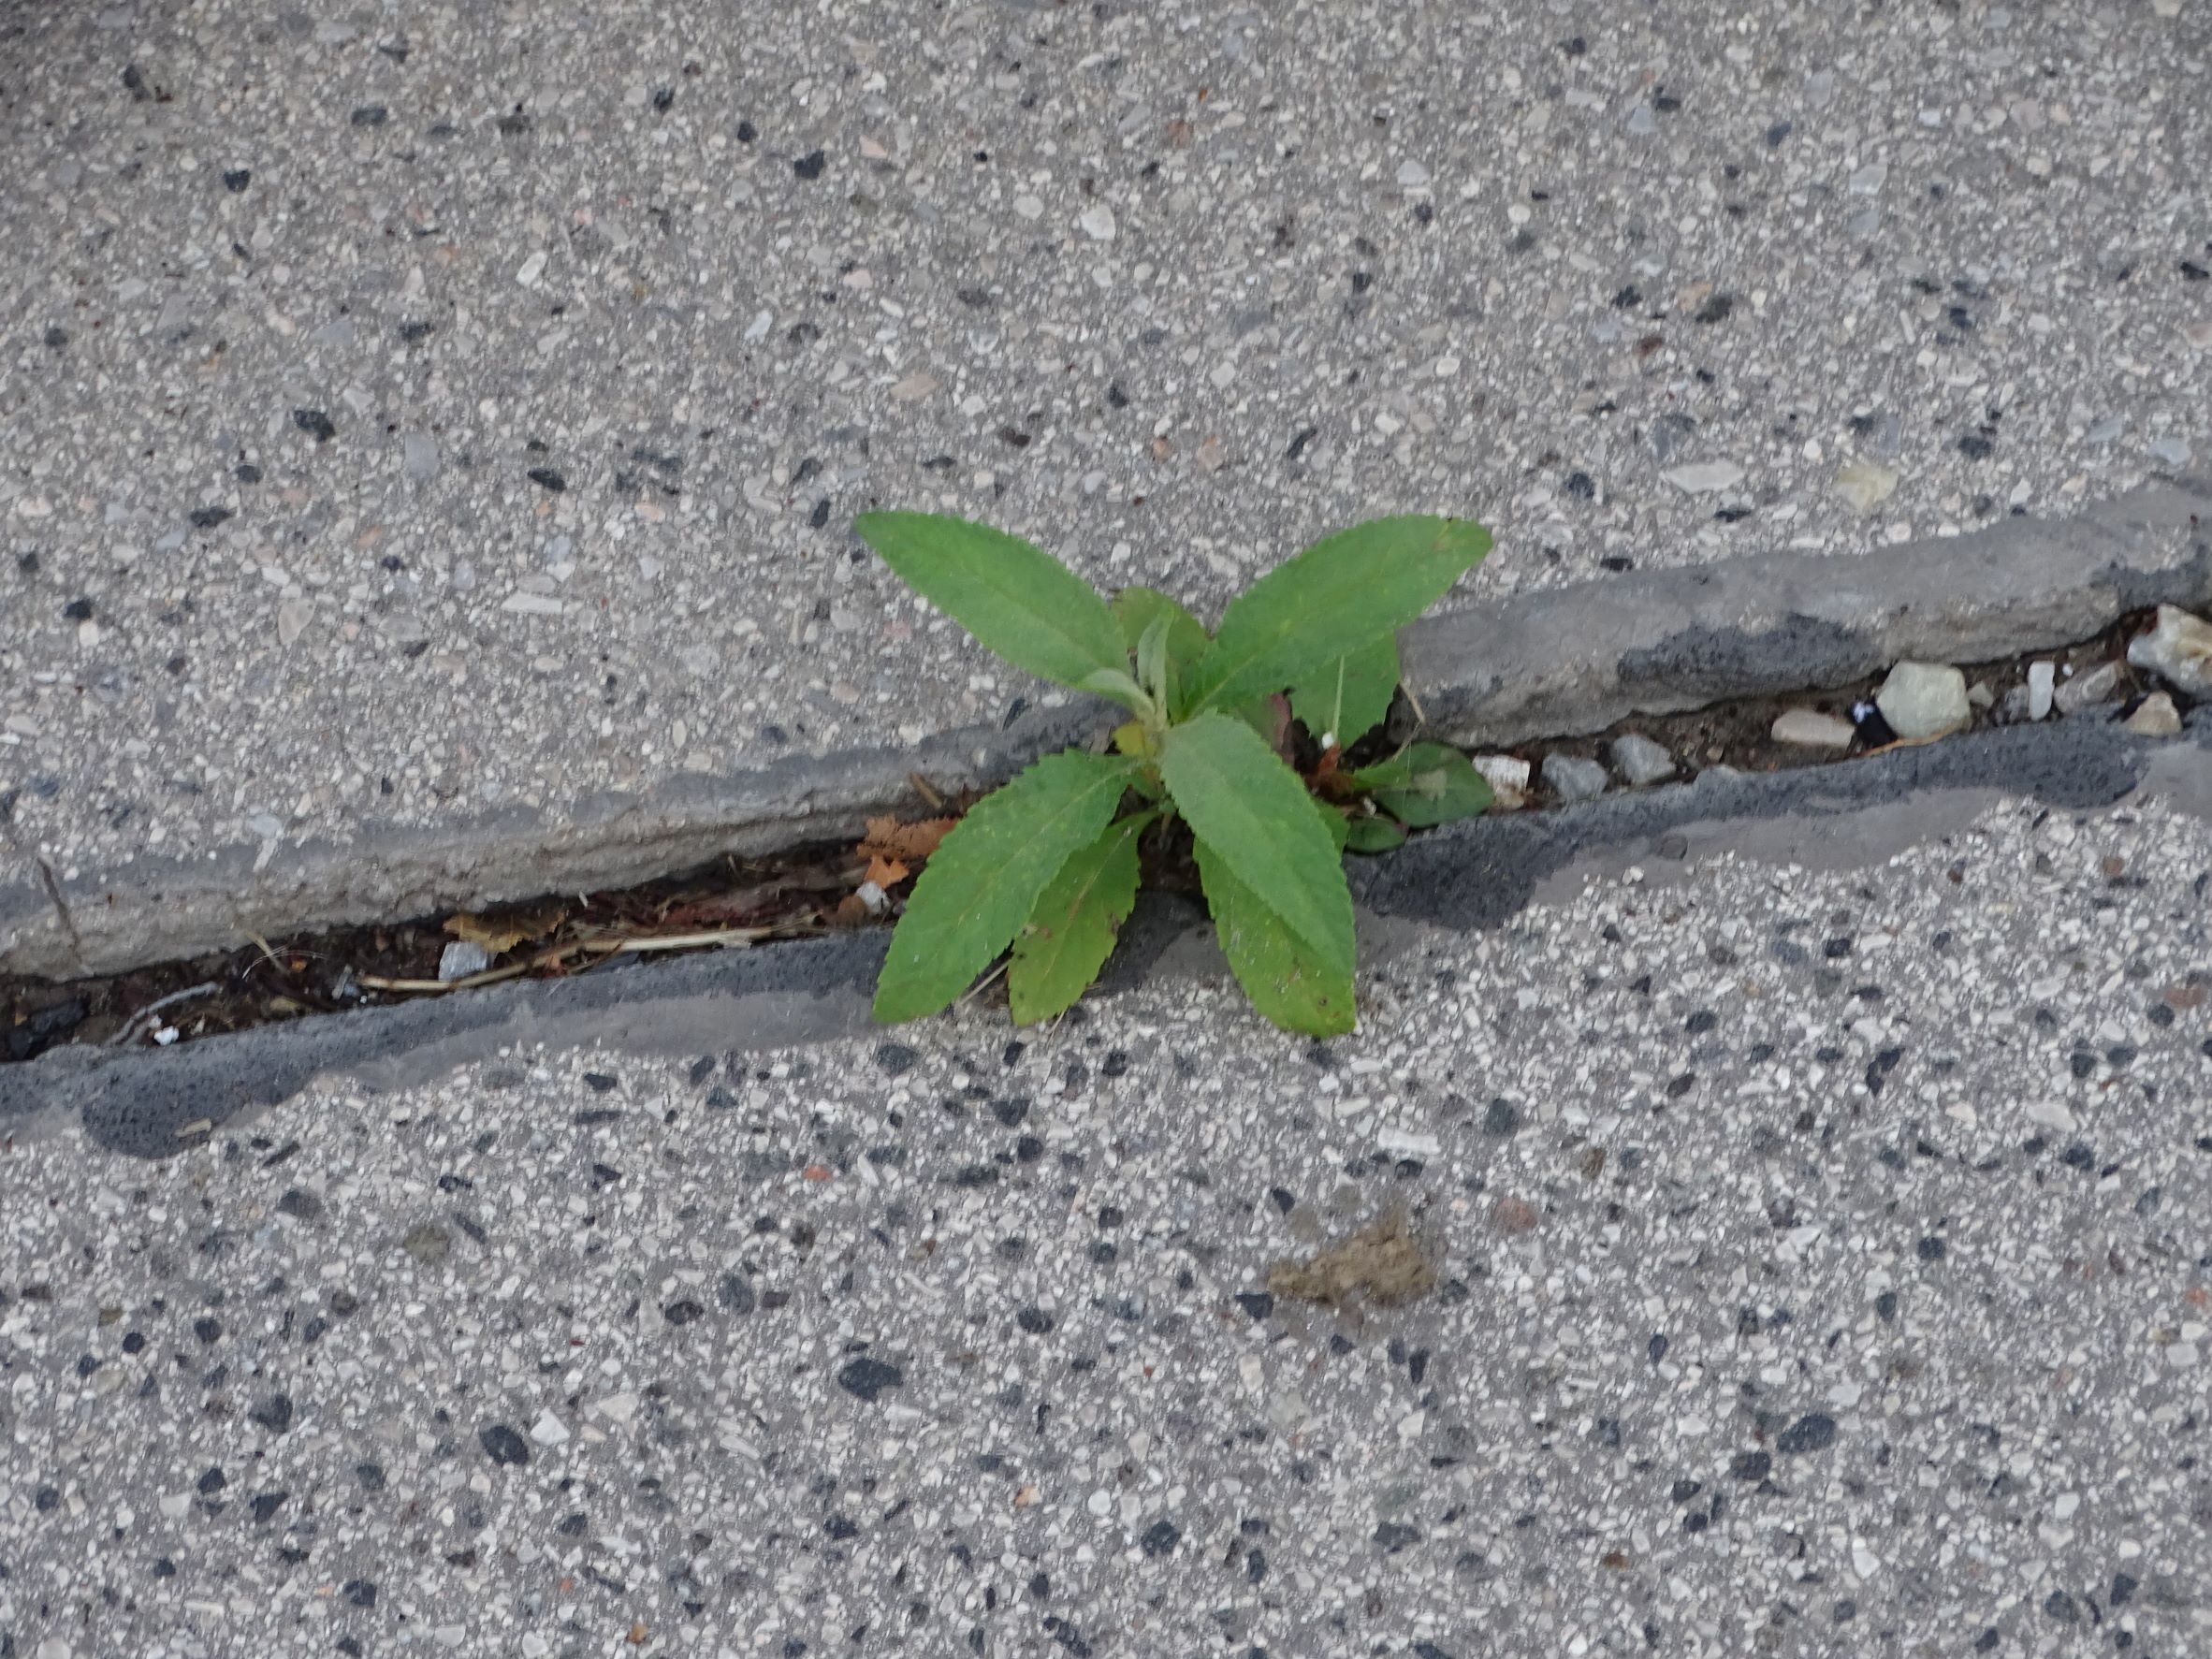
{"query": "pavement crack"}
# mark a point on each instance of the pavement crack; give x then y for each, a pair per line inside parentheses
(47, 879)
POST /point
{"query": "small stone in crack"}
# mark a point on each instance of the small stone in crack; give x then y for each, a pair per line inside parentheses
(2178, 650)
(2042, 678)
(1573, 778)
(2089, 690)
(2155, 716)
(1642, 761)
(1924, 700)
(1807, 728)
(460, 959)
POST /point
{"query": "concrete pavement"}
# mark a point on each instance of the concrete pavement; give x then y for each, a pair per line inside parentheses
(416, 415)
(411, 416)
(1820, 1266)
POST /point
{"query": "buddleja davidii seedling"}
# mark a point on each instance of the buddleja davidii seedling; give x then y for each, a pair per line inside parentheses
(1045, 869)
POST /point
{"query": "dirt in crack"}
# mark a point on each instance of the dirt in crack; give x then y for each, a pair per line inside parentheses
(806, 893)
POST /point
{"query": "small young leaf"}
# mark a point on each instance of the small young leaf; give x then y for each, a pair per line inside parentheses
(1070, 933)
(1139, 609)
(1156, 667)
(984, 880)
(1241, 799)
(1286, 980)
(1016, 598)
(1349, 698)
(1355, 586)
(1115, 683)
(1428, 783)
(1375, 835)
(1338, 827)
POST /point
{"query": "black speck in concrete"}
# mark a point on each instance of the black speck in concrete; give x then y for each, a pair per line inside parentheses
(371, 115)
(1974, 446)
(316, 424)
(503, 1446)
(809, 165)
(78, 610)
(266, 1504)
(1500, 1118)
(734, 1293)
(208, 517)
(274, 1413)
(680, 1314)
(1750, 1465)
(868, 1378)
(546, 478)
(1160, 1538)
(895, 1058)
(1815, 1432)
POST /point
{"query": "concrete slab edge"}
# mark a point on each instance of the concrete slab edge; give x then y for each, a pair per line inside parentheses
(1481, 874)
(1575, 660)
(1555, 664)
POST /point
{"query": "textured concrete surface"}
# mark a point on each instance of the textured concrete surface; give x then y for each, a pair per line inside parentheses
(419, 412)
(1821, 1266)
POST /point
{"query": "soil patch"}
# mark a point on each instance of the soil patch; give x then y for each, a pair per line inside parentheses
(1382, 1265)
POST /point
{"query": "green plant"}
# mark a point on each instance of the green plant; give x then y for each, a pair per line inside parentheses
(1048, 864)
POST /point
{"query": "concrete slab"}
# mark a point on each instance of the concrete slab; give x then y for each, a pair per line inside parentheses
(1816, 1253)
(425, 415)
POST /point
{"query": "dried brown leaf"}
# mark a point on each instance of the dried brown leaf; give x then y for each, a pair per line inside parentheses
(904, 843)
(501, 934)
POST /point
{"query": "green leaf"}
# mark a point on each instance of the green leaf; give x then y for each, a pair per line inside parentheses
(1339, 829)
(1428, 783)
(1355, 586)
(1139, 609)
(985, 879)
(1373, 834)
(1240, 798)
(1115, 683)
(1155, 670)
(1070, 933)
(1016, 598)
(1349, 698)
(1287, 981)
